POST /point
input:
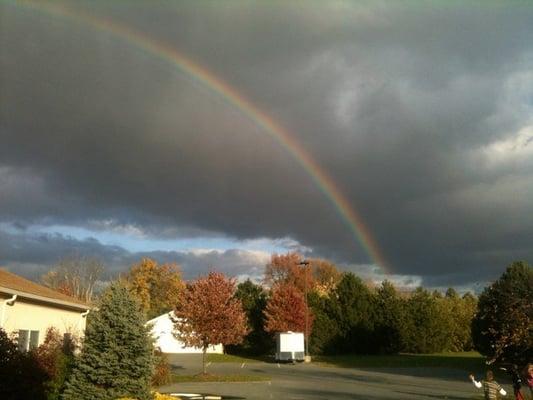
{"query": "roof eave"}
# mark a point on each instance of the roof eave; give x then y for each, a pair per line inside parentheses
(44, 299)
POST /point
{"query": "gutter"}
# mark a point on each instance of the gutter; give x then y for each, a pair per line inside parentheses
(8, 302)
(64, 303)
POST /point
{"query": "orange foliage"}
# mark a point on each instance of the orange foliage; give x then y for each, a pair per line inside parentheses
(286, 269)
(321, 275)
(157, 287)
(326, 276)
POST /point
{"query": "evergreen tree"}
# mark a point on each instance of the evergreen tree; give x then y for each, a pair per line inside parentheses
(427, 330)
(458, 313)
(468, 313)
(390, 328)
(503, 326)
(117, 356)
(325, 328)
(254, 300)
(353, 308)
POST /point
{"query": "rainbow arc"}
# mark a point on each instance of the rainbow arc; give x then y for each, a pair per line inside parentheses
(231, 96)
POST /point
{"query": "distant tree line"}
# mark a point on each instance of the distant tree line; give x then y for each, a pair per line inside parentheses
(344, 314)
(347, 315)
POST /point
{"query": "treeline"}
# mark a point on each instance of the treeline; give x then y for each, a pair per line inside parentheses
(344, 314)
(349, 316)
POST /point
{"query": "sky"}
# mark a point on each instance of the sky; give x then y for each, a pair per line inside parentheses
(393, 138)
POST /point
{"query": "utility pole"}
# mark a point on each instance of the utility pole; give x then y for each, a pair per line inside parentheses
(305, 264)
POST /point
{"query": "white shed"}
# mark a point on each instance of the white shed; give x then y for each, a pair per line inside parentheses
(162, 328)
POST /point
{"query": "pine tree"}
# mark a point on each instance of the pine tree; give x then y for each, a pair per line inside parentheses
(325, 328)
(116, 359)
(353, 309)
(390, 328)
(254, 300)
(427, 327)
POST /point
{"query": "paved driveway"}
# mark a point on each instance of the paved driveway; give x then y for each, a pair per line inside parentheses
(311, 381)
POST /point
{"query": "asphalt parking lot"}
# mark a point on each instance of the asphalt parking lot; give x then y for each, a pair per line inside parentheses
(312, 381)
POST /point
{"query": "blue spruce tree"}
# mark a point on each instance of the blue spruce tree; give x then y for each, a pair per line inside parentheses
(117, 357)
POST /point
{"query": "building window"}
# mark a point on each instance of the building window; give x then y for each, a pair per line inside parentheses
(27, 339)
(34, 339)
(23, 339)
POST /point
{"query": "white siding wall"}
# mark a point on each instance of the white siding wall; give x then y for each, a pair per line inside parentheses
(23, 315)
(162, 328)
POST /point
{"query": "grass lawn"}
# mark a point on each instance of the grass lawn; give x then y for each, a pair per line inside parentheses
(468, 361)
(222, 358)
(219, 378)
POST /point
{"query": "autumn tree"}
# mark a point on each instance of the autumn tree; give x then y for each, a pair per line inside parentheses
(503, 326)
(208, 313)
(286, 310)
(75, 276)
(156, 286)
(55, 356)
(288, 269)
(317, 274)
(326, 276)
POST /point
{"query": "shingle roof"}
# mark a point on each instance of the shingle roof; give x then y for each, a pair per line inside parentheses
(11, 281)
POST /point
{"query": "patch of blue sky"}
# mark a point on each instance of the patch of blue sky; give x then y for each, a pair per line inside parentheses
(145, 243)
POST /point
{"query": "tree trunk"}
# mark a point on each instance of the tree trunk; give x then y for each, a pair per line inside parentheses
(204, 350)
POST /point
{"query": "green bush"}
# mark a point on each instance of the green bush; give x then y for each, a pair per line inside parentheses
(21, 376)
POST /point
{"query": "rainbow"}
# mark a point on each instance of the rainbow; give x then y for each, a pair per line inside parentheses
(230, 95)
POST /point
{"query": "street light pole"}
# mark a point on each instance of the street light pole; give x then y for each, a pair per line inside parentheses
(306, 263)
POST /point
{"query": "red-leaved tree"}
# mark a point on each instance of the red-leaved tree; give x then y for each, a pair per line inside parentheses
(287, 269)
(209, 314)
(321, 275)
(285, 310)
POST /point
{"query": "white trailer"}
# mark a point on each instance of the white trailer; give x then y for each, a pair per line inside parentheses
(290, 346)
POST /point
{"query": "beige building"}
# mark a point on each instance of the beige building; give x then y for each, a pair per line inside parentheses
(28, 310)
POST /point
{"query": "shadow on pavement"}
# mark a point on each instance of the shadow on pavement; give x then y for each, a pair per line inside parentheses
(436, 396)
(327, 394)
(202, 396)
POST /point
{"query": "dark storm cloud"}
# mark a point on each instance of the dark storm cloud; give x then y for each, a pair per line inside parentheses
(414, 111)
(33, 254)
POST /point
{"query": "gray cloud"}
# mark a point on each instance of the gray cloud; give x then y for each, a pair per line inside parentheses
(403, 105)
(31, 255)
